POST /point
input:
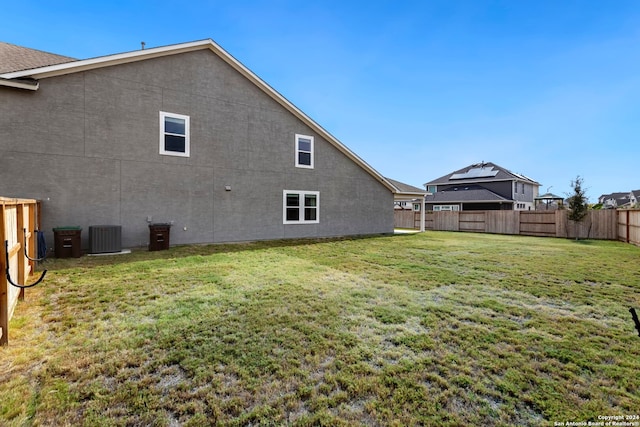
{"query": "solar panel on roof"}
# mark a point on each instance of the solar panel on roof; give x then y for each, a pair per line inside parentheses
(476, 173)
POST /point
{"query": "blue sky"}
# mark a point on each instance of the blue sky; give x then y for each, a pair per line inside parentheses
(418, 89)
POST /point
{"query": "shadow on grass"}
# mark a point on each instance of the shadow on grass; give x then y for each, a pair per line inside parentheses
(583, 242)
(180, 251)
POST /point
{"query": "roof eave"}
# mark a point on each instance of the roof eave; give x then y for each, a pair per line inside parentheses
(17, 84)
(433, 202)
(409, 194)
(476, 181)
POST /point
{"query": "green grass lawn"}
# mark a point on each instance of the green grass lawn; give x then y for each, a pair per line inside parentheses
(429, 329)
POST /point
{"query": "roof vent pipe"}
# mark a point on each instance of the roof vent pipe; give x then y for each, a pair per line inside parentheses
(143, 45)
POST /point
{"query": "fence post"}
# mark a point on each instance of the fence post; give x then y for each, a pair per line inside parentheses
(22, 242)
(4, 291)
(628, 227)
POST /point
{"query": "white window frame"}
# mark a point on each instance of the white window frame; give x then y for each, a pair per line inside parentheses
(301, 208)
(446, 208)
(163, 133)
(298, 151)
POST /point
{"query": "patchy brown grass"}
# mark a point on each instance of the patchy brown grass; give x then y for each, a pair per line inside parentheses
(430, 329)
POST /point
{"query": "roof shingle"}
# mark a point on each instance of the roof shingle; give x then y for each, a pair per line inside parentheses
(18, 58)
(405, 188)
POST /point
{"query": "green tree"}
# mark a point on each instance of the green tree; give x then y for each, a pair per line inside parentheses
(578, 204)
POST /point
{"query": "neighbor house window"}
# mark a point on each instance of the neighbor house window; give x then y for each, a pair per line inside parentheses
(432, 189)
(300, 207)
(304, 151)
(174, 134)
(440, 208)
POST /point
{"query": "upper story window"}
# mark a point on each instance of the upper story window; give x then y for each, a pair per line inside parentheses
(301, 207)
(174, 134)
(432, 189)
(304, 151)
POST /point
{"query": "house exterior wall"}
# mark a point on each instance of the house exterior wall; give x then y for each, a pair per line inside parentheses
(524, 197)
(87, 145)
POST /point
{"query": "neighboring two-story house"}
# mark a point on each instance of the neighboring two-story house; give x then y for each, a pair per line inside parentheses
(182, 134)
(481, 186)
(620, 200)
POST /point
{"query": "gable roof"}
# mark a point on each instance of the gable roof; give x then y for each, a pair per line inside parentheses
(481, 172)
(41, 71)
(18, 58)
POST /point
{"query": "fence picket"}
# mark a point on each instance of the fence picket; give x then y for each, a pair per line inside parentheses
(605, 224)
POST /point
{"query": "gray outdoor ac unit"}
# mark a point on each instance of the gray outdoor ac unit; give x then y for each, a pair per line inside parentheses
(105, 239)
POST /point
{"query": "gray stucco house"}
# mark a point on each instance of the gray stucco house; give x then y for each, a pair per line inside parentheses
(481, 186)
(182, 134)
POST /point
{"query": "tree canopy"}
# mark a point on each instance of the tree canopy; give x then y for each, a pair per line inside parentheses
(578, 202)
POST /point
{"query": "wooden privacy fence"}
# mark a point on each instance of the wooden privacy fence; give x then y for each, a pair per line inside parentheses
(606, 224)
(629, 226)
(19, 218)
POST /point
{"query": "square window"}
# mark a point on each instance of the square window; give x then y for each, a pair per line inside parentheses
(293, 214)
(293, 199)
(304, 151)
(174, 143)
(301, 207)
(309, 214)
(174, 134)
(310, 200)
(304, 158)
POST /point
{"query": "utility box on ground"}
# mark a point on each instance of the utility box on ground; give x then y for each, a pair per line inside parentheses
(105, 239)
(159, 236)
(67, 241)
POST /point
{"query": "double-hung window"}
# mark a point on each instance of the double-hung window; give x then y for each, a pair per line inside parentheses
(174, 134)
(304, 151)
(301, 207)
